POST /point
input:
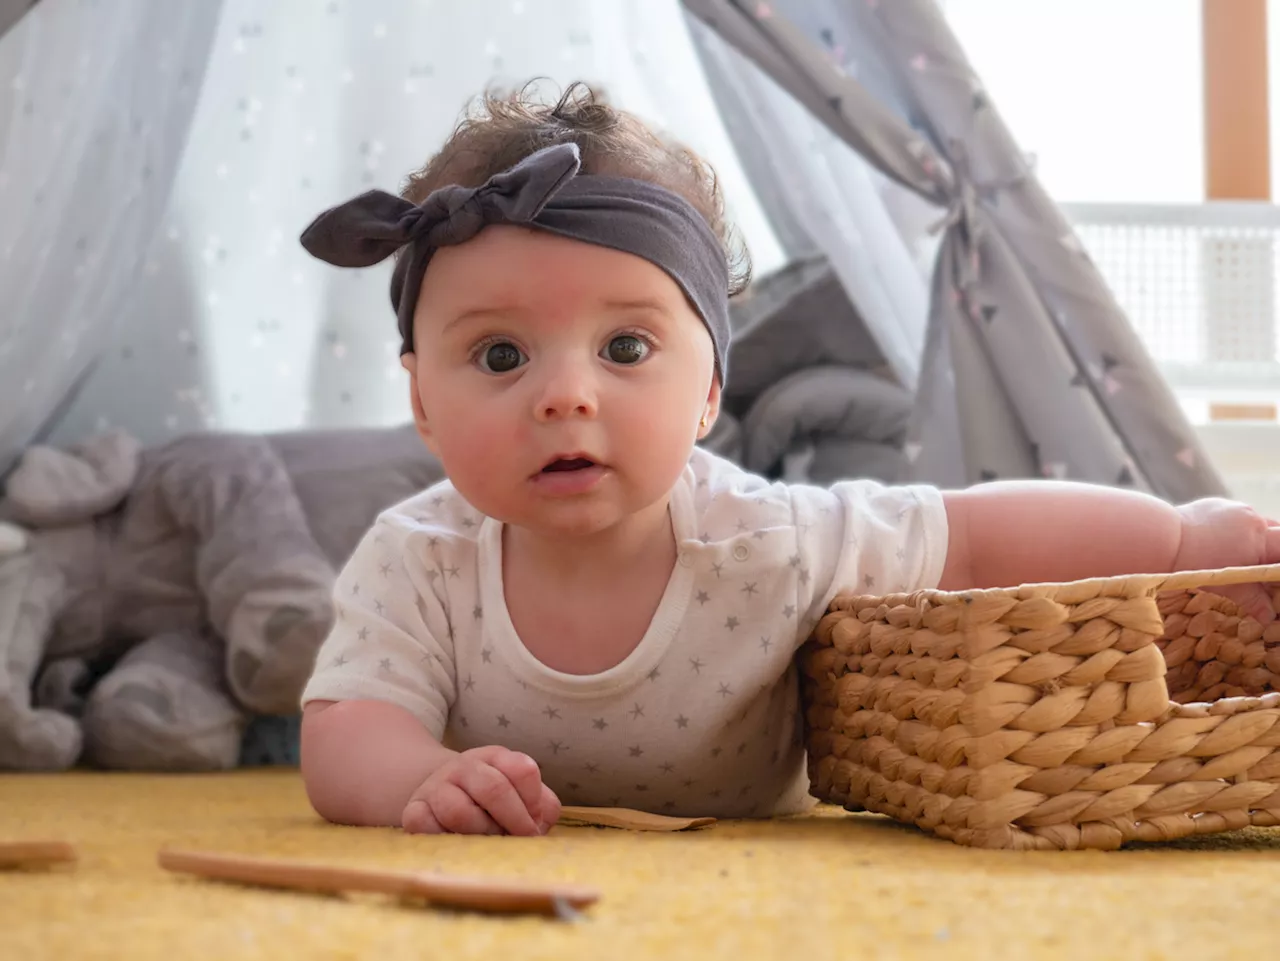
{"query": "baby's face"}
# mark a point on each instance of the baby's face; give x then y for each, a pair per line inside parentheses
(560, 383)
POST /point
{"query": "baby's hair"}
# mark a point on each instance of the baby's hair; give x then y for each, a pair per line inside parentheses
(499, 130)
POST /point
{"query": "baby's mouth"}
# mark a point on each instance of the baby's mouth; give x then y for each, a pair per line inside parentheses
(562, 464)
(568, 474)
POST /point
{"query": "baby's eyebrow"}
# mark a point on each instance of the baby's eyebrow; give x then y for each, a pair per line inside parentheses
(645, 303)
(634, 304)
(479, 313)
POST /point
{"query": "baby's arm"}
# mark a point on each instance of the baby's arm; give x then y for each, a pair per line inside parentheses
(372, 763)
(1013, 532)
(378, 701)
(362, 760)
(1009, 533)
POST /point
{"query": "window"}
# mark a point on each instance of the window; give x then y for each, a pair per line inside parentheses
(1106, 94)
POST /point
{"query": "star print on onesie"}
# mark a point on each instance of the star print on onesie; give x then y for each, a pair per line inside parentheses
(702, 718)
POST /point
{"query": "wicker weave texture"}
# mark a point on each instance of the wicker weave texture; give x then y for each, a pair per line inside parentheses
(1051, 716)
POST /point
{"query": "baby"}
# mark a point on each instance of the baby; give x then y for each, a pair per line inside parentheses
(592, 608)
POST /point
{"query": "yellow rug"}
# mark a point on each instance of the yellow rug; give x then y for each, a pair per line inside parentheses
(830, 885)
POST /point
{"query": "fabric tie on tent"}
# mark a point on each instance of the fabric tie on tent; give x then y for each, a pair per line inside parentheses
(543, 191)
(1030, 367)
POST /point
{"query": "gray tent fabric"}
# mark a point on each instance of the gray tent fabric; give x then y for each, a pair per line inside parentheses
(811, 398)
(823, 197)
(794, 318)
(1030, 367)
(779, 47)
(858, 413)
(11, 11)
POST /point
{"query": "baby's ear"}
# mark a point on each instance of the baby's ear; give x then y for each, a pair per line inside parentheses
(410, 363)
(712, 408)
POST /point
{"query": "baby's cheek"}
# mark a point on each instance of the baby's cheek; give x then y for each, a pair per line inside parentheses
(486, 450)
(642, 429)
(660, 435)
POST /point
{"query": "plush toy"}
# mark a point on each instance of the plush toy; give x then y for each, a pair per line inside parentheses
(153, 601)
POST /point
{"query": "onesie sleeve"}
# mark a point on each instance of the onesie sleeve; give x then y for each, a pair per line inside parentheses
(392, 639)
(866, 537)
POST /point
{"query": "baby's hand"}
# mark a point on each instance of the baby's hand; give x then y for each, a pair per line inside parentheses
(486, 790)
(1223, 533)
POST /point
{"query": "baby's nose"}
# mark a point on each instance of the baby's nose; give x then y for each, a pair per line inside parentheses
(568, 391)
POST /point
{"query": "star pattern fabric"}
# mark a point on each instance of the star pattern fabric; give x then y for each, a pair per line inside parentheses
(703, 716)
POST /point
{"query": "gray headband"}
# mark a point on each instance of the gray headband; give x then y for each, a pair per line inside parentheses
(541, 191)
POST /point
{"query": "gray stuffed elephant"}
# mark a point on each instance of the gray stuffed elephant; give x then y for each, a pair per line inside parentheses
(153, 601)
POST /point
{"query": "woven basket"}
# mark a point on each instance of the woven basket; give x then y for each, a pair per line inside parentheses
(1050, 716)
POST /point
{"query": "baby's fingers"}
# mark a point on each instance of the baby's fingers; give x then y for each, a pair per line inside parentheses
(1272, 555)
(491, 790)
(525, 776)
(549, 809)
(418, 818)
(446, 809)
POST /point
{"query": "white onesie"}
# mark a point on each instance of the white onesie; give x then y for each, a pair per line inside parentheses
(702, 718)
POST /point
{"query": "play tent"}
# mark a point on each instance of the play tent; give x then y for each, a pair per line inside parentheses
(159, 159)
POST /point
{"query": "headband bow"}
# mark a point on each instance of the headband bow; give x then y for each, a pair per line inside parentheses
(542, 191)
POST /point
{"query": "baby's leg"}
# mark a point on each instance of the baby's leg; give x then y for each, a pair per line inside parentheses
(165, 707)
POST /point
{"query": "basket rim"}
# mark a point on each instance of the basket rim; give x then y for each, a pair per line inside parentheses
(1119, 585)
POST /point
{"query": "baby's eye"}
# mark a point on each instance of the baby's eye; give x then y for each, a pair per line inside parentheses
(627, 349)
(500, 358)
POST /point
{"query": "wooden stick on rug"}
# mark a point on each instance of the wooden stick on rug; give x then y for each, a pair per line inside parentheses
(476, 894)
(628, 819)
(35, 854)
